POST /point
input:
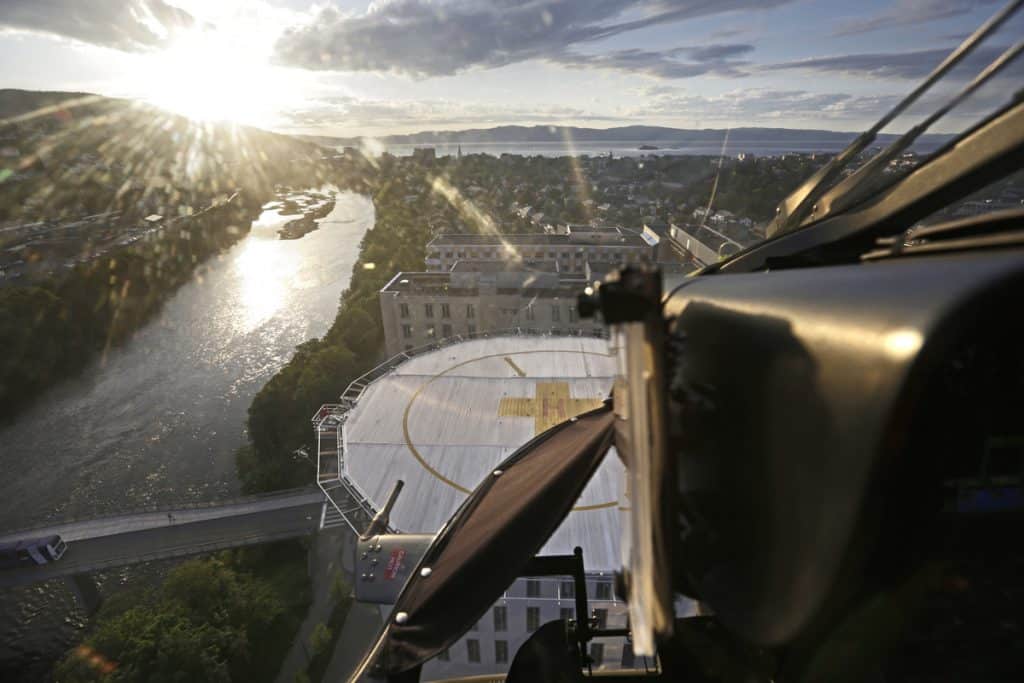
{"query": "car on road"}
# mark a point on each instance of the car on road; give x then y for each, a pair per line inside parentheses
(29, 552)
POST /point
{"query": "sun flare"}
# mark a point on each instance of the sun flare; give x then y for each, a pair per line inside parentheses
(207, 76)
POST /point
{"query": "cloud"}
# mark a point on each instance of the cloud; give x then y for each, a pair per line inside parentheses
(683, 62)
(911, 12)
(762, 104)
(130, 25)
(890, 65)
(442, 37)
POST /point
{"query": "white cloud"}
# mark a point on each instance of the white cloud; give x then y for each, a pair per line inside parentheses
(442, 37)
(131, 25)
(910, 13)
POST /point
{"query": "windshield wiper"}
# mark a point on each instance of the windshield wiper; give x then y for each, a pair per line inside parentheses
(795, 208)
(857, 186)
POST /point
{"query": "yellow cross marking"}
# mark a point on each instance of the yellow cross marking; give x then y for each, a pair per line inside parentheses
(551, 406)
(518, 370)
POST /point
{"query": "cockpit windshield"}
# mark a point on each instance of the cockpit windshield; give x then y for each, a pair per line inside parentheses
(262, 259)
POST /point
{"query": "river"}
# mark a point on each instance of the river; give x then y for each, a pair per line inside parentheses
(157, 420)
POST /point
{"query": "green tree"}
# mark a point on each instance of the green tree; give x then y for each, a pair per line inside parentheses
(320, 639)
(201, 625)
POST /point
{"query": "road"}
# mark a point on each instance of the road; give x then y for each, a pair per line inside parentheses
(120, 540)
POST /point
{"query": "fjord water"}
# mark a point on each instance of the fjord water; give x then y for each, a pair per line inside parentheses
(157, 419)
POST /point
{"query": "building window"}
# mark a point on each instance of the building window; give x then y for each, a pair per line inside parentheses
(628, 660)
(566, 614)
(446, 330)
(429, 310)
(567, 589)
(500, 618)
(596, 654)
(446, 311)
(501, 652)
(447, 254)
(601, 616)
(532, 618)
(470, 311)
(403, 310)
(472, 328)
(444, 656)
(532, 588)
(604, 590)
(556, 313)
(529, 312)
(572, 314)
(473, 650)
(407, 331)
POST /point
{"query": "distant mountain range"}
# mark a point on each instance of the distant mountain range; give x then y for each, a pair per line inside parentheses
(16, 102)
(631, 134)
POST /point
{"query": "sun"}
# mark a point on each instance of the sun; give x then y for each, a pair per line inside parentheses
(207, 76)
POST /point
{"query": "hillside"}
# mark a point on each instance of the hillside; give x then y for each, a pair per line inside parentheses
(68, 153)
(633, 134)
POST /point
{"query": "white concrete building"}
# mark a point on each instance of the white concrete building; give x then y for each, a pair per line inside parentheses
(421, 308)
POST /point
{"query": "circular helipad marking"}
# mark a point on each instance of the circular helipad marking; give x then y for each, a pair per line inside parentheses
(440, 477)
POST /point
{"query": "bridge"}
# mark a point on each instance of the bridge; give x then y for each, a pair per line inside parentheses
(163, 533)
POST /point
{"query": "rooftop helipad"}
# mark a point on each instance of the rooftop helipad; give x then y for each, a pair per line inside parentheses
(442, 420)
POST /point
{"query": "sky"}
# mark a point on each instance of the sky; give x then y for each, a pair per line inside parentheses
(351, 67)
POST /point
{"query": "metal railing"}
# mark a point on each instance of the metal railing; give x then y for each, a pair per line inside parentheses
(334, 415)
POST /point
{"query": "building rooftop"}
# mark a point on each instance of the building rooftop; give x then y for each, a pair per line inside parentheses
(443, 420)
(625, 238)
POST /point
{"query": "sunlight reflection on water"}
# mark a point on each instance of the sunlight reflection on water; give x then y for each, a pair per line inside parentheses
(265, 271)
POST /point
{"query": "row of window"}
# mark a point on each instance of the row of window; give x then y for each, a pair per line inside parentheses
(499, 614)
(446, 311)
(601, 253)
(446, 331)
(567, 589)
(501, 653)
(428, 310)
(473, 652)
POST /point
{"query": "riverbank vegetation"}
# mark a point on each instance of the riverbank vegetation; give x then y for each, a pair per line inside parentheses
(230, 617)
